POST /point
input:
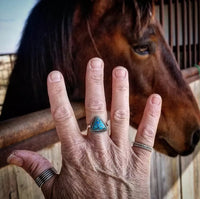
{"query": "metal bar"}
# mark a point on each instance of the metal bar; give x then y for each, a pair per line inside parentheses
(162, 12)
(194, 33)
(189, 34)
(35, 143)
(192, 79)
(184, 23)
(27, 126)
(190, 72)
(170, 24)
(6, 54)
(177, 31)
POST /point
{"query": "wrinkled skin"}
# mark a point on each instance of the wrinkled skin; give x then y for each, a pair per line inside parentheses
(103, 174)
(96, 165)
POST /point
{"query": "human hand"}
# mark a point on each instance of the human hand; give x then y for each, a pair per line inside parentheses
(96, 165)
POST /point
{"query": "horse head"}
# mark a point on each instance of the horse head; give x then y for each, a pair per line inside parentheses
(64, 35)
(126, 32)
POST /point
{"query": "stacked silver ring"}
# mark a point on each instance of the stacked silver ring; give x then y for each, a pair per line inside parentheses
(45, 176)
(143, 146)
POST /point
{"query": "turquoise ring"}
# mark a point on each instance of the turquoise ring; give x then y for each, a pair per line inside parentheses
(97, 126)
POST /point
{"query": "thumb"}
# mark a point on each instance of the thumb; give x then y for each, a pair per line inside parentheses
(32, 163)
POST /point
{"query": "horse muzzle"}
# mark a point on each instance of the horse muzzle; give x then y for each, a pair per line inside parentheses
(196, 137)
(194, 141)
(170, 150)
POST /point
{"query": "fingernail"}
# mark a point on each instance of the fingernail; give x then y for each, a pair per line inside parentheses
(156, 100)
(96, 64)
(55, 76)
(13, 159)
(120, 74)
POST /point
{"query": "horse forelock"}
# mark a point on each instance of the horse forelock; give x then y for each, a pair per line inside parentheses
(142, 12)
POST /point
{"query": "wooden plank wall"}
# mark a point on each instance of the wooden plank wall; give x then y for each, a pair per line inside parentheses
(177, 178)
(190, 166)
(171, 178)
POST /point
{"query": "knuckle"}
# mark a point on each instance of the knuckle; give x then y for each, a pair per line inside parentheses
(121, 88)
(33, 166)
(61, 114)
(148, 133)
(57, 89)
(97, 78)
(154, 112)
(95, 105)
(121, 115)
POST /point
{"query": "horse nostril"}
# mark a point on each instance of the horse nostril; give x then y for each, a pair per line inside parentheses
(196, 137)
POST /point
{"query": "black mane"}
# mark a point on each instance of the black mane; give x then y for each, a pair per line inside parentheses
(46, 45)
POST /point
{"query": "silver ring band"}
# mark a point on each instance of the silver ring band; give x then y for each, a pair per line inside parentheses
(45, 176)
(143, 146)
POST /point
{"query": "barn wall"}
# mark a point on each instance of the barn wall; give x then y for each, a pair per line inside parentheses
(177, 178)
(191, 165)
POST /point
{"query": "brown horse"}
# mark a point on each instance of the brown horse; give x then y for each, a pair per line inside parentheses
(64, 35)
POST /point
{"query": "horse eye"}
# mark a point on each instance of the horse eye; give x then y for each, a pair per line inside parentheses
(142, 49)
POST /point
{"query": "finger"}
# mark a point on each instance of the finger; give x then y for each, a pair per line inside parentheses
(34, 164)
(120, 107)
(148, 126)
(62, 112)
(95, 104)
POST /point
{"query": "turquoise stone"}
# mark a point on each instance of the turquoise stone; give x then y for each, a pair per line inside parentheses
(98, 125)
